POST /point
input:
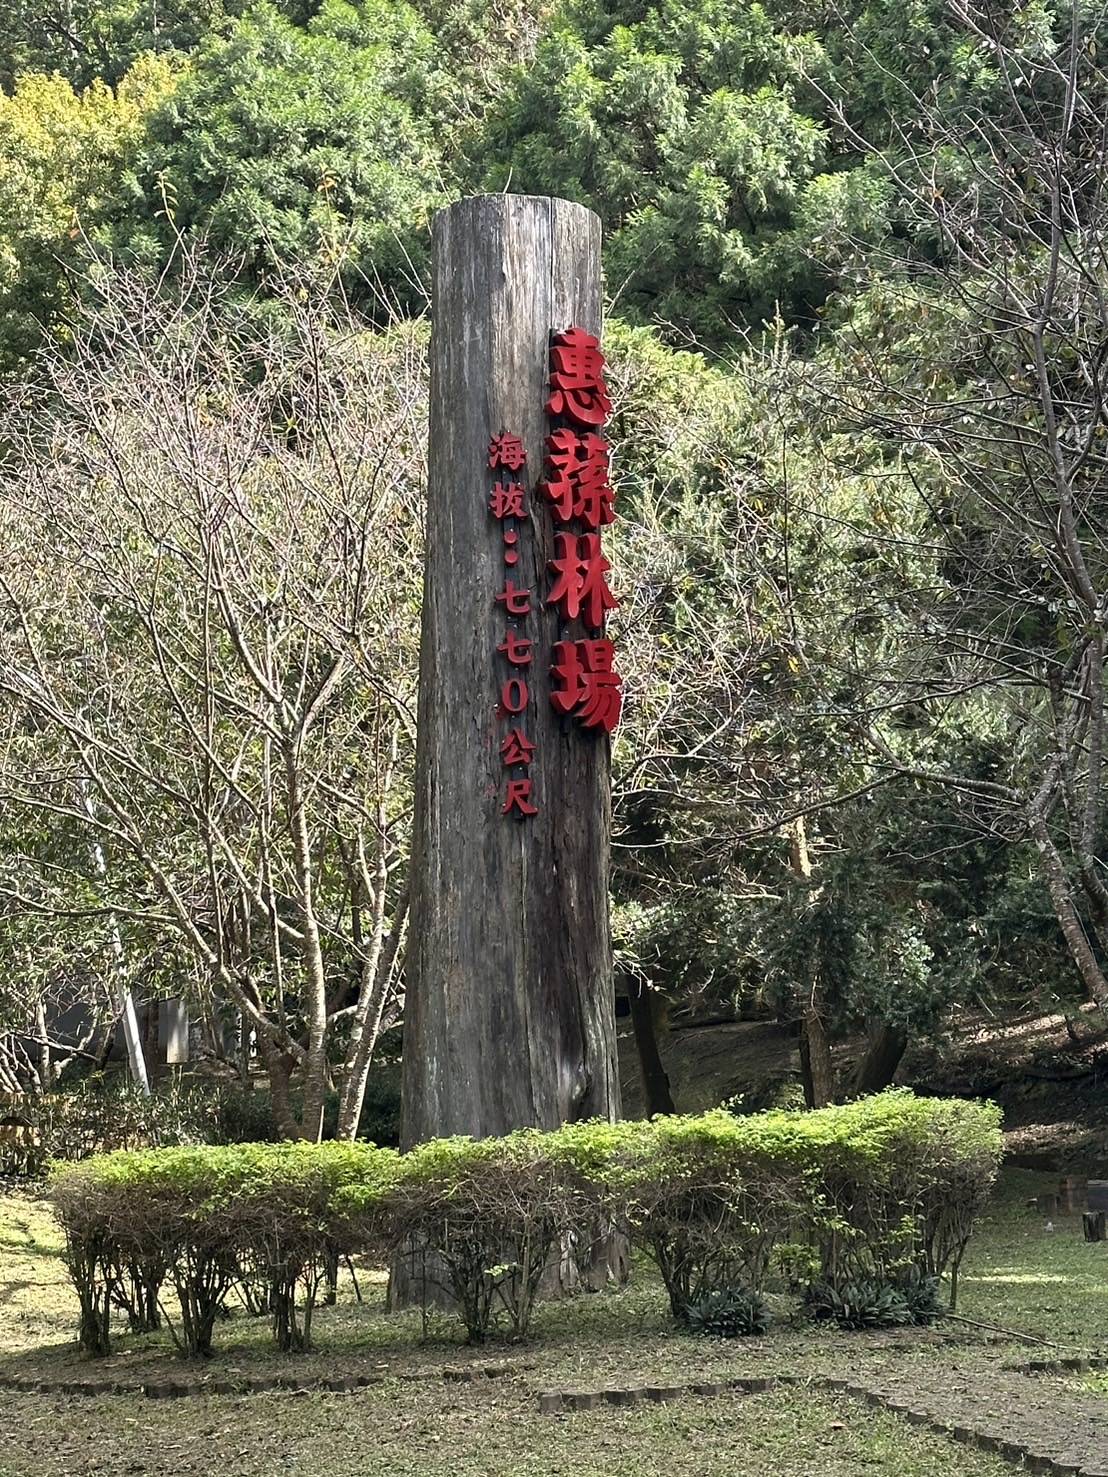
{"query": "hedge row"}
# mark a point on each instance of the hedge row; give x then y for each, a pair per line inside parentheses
(884, 1191)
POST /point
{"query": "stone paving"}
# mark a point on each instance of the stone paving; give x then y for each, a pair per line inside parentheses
(1035, 1422)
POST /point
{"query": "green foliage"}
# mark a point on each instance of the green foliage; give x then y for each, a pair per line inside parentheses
(102, 1114)
(87, 41)
(728, 1313)
(902, 1180)
(284, 145)
(924, 1298)
(209, 1218)
(882, 1191)
(858, 1305)
(692, 131)
(63, 155)
(481, 1220)
(709, 1197)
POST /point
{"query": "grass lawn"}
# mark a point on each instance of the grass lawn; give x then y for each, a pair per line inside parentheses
(1048, 1283)
(412, 1421)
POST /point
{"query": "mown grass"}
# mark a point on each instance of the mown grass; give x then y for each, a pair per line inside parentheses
(1051, 1284)
(1046, 1284)
(413, 1430)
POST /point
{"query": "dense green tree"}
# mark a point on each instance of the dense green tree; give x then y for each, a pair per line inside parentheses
(694, 132)
(977, 377)
(287, 145)
(62, 157)
(90, 41)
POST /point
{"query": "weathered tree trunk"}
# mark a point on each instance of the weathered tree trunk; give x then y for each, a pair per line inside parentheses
(509, 1013)
(279, 1065)
(816, 1070)
(655, 1078)
(885, 1046)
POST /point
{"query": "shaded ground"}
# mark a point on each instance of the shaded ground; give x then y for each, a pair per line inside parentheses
(1054, 1091)
(1047, 1284)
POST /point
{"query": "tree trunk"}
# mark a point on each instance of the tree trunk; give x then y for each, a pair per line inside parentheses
(885, 1046)
(655, 1079)
(509, 1015)
(366, 1027)
(279, 1065)
(135, 1058)
(1069, 920)
(816, 1068)
(45, 1057)
(314, 1066)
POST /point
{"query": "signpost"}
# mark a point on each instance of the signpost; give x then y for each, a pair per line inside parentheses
(509, 1011)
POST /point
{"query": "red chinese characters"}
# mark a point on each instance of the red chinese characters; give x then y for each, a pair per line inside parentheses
(507, 500)
(507, 504)
(580, 590)
(506, 451)
(589, 687)
(585, 686)
(578, 488)
(578, 483)
(577, 388)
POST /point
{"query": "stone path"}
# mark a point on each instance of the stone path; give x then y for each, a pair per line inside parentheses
(1035, 1422)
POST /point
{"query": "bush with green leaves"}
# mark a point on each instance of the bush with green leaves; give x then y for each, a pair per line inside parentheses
(708, 1197)
(924, 1296)
(886, 1188)
(479, 1220)
(206, 1219)
(901, 1181)
(729, 1313)
(859, 1305)
(102, 1114)
(867, 1205)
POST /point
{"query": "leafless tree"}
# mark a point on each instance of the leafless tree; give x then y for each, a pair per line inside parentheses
(209, 517)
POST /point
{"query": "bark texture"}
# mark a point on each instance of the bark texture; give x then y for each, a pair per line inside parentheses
(509, 1013)
(655, 1078)
(885, 1046)
(816, 1066)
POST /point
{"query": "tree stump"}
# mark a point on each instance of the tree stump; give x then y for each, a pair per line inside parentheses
(1094, 1224)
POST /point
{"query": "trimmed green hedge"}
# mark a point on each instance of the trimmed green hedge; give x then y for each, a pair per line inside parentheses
(205, 1220)
(880, 1192)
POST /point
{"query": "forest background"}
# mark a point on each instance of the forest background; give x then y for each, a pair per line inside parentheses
(857, 328)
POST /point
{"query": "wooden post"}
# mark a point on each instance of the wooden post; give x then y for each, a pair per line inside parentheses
(509, 1016)
(1093, 1223)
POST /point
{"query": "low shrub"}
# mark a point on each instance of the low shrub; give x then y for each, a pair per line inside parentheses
(925, 1300)
(204, 1219)
(480, 1219)
(867, 1206)
(708, 1198)
(729, 1313)
(858, 1305)
(901, 1180)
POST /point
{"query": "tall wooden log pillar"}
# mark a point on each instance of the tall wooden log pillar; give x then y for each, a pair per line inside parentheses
(509, 1011)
